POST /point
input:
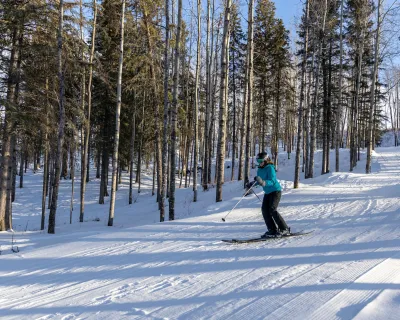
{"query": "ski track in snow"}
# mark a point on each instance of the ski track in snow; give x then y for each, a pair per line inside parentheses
(349, 268)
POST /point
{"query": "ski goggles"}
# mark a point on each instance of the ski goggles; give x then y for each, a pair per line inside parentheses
(260, 161)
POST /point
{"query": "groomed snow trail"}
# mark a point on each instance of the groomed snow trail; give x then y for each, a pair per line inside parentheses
(349, 268)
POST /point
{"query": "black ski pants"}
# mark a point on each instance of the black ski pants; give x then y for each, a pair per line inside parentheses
(272, 218)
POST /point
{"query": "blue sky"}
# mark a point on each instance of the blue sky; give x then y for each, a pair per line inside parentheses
(288, 10)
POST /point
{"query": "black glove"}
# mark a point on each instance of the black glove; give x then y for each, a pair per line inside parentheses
(259, 181)
(250, 184)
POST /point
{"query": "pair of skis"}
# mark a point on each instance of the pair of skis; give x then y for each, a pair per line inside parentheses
(251, 240)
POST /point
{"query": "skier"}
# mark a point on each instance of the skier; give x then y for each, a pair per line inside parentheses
(266, 178)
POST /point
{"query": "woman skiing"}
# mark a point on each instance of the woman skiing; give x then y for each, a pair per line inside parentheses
(266, 178)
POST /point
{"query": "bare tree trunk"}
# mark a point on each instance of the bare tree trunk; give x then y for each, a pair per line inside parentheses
(325, 110)
(46, 161)
(277, 119)
(64, 165)
(234, 120)
(60, 142)
(117, 120)
(72, 159)
(153, 188)
(314, 104)
(302, 88)
(104, 170)
(354, 137)
(308, 118)
(372, 91)
(166, 107)
(85, 162)
(132, 156)
(243, 129)
(21, 167)
(83, 98)
(339, 107)
(51, 178)
(98, 163)
(174, 112)
(223, 108)
(156, 110)
(211, 133)
(11, 179)
(249, 85)
(88, 161)
(139, 162)
(7, 148)
(196, 103)
(329, 129)
(206, 163)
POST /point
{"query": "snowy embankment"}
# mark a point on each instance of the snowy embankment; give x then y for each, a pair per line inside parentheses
(348, 268)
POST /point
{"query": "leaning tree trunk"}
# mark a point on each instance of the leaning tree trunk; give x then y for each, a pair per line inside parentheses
(117, 121)
(61, 124)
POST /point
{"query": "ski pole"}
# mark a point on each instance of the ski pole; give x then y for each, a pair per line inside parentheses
(223, 219)
(257, 196)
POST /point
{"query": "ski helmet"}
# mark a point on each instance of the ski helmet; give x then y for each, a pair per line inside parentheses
(262, 156)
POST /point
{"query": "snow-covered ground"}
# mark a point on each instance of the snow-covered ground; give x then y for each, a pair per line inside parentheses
(349, 268)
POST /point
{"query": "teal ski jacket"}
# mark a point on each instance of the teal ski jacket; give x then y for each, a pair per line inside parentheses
(268, 175)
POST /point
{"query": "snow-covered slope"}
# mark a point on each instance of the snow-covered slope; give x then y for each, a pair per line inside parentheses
(348, 268)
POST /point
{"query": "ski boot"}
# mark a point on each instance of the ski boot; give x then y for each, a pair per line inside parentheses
(270, 234)
(284, 232)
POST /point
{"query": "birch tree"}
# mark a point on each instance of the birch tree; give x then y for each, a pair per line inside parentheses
(88, 116)
(166, 107)
(301, 101)
(196, 103)
(223, 102)
(249, 87)
(117, 121)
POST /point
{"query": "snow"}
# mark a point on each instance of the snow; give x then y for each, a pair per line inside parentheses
(348, 268)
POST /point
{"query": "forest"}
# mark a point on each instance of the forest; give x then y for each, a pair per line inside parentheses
(180, 87)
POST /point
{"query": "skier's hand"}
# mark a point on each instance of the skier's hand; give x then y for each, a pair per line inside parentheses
(250, 184)
(259, 181)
